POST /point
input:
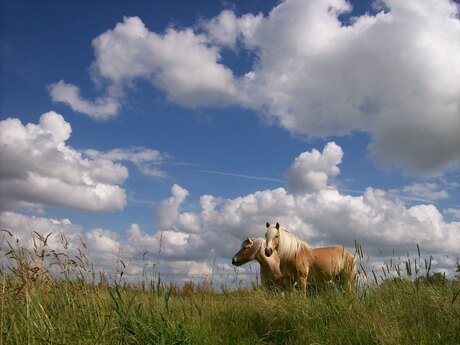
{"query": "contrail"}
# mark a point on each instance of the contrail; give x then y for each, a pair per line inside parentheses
(258, 178)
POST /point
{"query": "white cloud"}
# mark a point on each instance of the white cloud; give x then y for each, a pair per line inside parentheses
(427, 191)
(101, 247)
(226, 29)
(395, 74)
(146, 160)
(187, 241)
(103, 243)
(454, 211)
(321, 216)
(38, 168)
(100, 109)
(310, 170)
(223, 29)
(23, 227)
(179, 62)
(135, 253)
(168, 216)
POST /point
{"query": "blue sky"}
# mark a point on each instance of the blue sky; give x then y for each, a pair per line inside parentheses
(201, 120)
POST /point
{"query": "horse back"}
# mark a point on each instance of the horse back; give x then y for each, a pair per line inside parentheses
(330, 261)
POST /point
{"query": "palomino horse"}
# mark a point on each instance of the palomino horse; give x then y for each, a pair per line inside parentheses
(254, 249)
(300, 263)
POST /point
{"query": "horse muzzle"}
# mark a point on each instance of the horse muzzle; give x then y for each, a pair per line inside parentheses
(268, 252)
(235, 262)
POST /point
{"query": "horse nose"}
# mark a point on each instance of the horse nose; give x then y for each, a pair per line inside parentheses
(268, 251)
(234, 262)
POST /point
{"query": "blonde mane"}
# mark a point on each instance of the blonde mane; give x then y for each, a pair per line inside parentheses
(289, 244)
(257, 243)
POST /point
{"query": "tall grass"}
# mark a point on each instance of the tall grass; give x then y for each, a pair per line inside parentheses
(73, 306)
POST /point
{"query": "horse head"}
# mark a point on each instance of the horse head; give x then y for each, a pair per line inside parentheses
(272, 236)
(246, 253)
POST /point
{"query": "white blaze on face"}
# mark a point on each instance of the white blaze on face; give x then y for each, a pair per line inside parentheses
(269, 236)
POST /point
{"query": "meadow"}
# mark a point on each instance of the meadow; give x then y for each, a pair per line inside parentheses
(38, 307)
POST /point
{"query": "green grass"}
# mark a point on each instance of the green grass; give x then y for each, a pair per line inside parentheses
(37, 308)
(66, 312)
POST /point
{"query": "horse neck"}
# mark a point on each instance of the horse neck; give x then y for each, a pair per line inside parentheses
(290, 244)
(268, 264)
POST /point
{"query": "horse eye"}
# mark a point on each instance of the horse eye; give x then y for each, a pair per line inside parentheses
(276, 236)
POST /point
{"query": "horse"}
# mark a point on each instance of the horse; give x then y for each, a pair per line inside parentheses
(300, 263)
(254, 249)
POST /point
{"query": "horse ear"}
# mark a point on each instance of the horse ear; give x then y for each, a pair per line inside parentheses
(250, 241)
(277, 226)
(268, 224)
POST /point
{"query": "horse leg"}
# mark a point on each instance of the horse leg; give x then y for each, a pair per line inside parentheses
(321, 284)
(303, 285)
(303, 279)
(287, 283)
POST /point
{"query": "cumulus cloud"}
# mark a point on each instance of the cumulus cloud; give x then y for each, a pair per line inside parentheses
(23, 227)
(322, 216)
(101, 246)
(325, 217)
(227, 29)
(394, 74)
(105, 251)
(38, 168)
(311, 170)
(168, 216)
(181, 63)
(100, 109)
(186, 241)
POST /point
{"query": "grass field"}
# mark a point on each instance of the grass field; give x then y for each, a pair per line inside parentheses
(39, 308)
